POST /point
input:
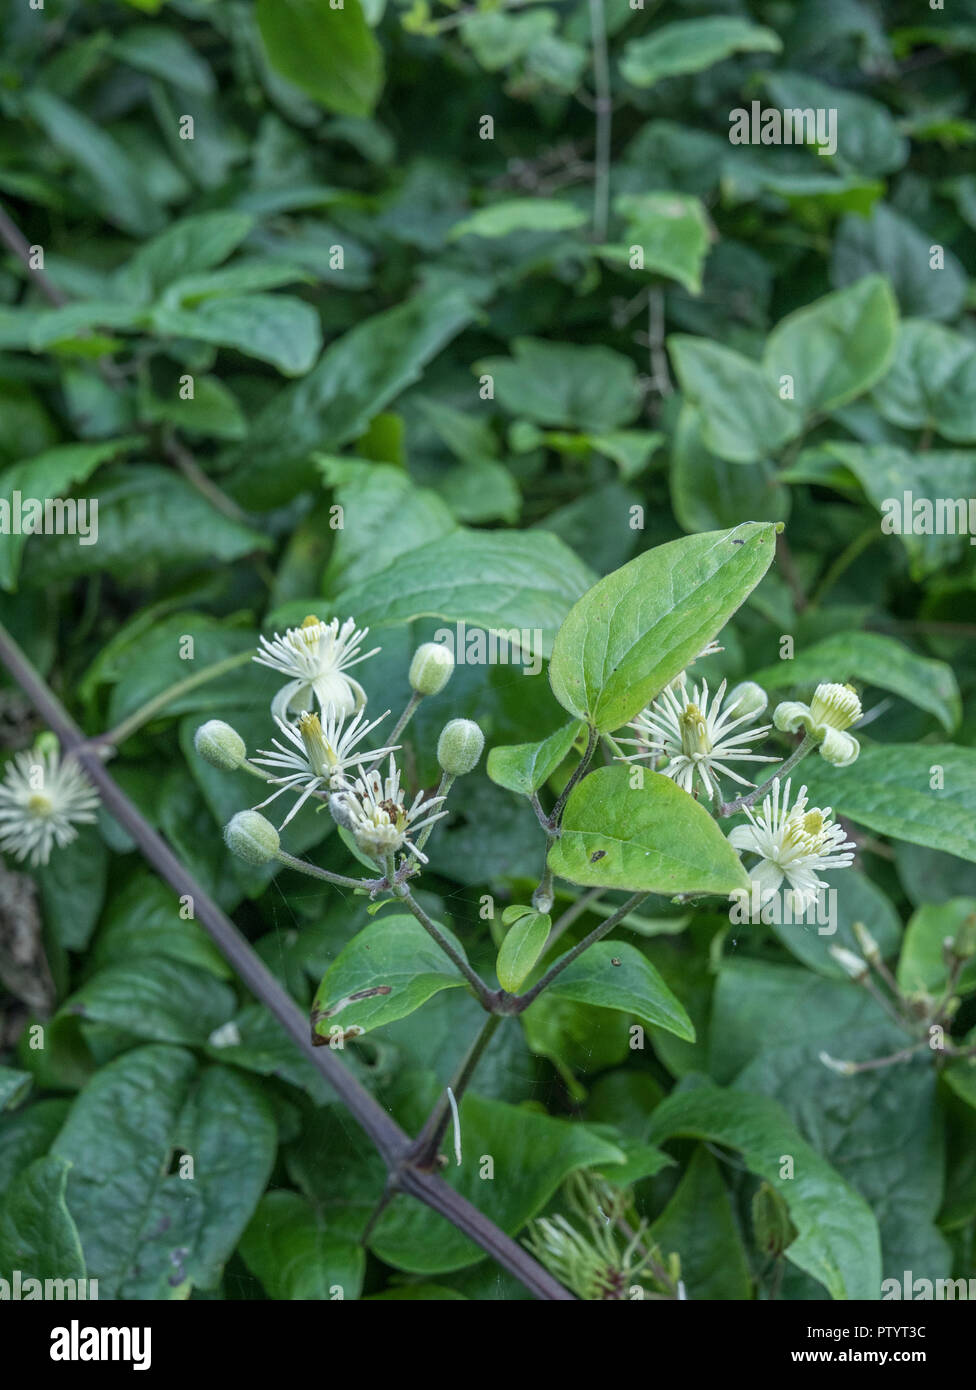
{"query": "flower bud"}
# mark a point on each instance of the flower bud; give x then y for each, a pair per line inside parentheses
(964, 945)
(771, 1223)
(459, 747)
(869, 947)
(431, 668)
(252, 837)
(851, 964)
(219, 744)
(746, 700)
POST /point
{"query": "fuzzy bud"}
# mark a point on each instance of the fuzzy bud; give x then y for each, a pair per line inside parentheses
(771, 1223)
(851, 964)
(252, 837)
(431, 668)
(459, 747)
(220, 745)
(869, 947)
(746, 699)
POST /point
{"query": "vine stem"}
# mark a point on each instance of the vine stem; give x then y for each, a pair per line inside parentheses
(485, 996)
(732, 808)
(113, 737)
(390, 1140)
(597, 934)
(604, 118)
(428, 1141)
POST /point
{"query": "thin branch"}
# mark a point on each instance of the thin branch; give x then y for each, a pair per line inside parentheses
(390, 1140)
(427, 1144)
(484, 995)
(732, 808)
(597, 934)
(113, 737)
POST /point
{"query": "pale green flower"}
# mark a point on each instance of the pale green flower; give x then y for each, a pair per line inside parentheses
(833, 709)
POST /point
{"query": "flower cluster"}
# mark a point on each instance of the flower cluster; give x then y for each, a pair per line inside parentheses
(693, 736)
(324, 750)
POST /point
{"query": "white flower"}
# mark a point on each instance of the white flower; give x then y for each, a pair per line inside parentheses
(380, 823)
(698, 738)
(315, 657)
(42, 799)
(323, 752)
(833, 709)
(792, 843)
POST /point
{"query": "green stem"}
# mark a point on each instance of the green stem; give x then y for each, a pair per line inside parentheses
(557, 810)
(732, 808)
(427, 1144)
(484, 994)
(313, 871)
(159, 702)
(408, 713)
(582, 904)
(597, 934)
(843, 561)
(444, 786)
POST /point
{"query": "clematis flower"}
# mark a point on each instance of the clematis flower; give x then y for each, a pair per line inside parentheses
(42, 798)
(322, 753)
(793, 842)
(380, 822)
(315, 657)
(833, 709)
(697, 736)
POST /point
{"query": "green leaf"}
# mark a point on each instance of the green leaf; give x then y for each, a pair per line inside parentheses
(121, 192)
(921, 965)
(355, 378)
(518, 215)
(521, 947)
(615, 975)
(294, 1254)
(708, 493)
(522, 583)
(330, 54)
(147, 516)
(876, 660)
(836, 348)
(932, 382)
(691, 46)
(742, 417)
(889, 790)
(900, 250)
(525, 767)
(838, 1242)
(274, 328)
(14, 1087)
(37, 1233)
(561, 384)
(48, 475)
(905, 486)
(383, 512)
(868, 138)
(387, 970)
(653, 839)
(72, 885)
(159, 999)
(186, 247)
(672, 230)
(530, 1156)
(635, 630)
(146, 1231)
(698, 1222)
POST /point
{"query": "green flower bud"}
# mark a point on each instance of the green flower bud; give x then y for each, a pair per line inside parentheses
(748, 699)
(771, 1222)
(252, 837)
(965, 942)
(459, 747)
(431, 668)
(219, 744)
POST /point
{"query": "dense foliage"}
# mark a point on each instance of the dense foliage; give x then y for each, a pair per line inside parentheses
(502, 316)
